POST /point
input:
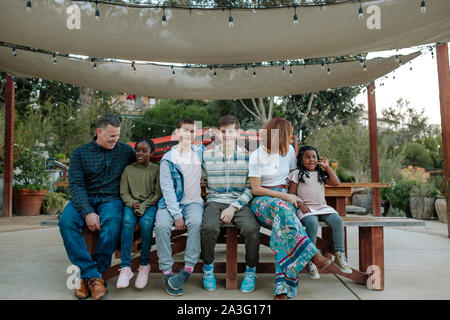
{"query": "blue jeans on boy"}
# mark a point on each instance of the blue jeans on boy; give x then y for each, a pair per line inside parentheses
(146, 223)
(192, 215)
(71, 225)
(311, 224)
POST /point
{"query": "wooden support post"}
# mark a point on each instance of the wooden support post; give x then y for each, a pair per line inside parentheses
(444, 97)
(9, 148)
(231, 268)
(371, 255)
(376, 197)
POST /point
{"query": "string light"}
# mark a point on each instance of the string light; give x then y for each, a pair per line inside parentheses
(230, 20)
(133, 66)
(423, 7)
(364, 67)
(360, 11)
(97, 12)
(246, 69)
(164, 18)
(328, 71)
(254, 71)
(54, 58)
(295, 16)
(322, 65)
(14, 53)
(283, 68)
(290, 71)
(95, 65)
(29, 6)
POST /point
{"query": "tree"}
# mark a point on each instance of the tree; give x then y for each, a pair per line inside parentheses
(320, 109)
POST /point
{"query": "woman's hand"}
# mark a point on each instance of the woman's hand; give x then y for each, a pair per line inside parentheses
(292, 199)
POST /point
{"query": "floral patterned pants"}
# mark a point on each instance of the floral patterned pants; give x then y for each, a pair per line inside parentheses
(291, 246)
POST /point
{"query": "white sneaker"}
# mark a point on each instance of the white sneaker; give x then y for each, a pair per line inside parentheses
(341, 261)
(312, 270)
(142, 277)
(124, 277)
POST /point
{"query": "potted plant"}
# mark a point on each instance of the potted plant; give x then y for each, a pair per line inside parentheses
(399, 195)
(422, 200)
(61, 157)
(31, 178)
(54, 202)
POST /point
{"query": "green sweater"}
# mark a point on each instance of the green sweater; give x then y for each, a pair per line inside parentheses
(140, 184)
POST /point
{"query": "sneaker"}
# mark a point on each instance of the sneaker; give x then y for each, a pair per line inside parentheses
(176, 282)
(341, 261)
(142, 277)
(312, 270)
(248, 284)
(209, 281)
(124, 277)
(169, 290)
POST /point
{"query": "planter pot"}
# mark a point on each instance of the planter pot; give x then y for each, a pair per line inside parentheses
(441, 209)
(28, 202)
(421, 208)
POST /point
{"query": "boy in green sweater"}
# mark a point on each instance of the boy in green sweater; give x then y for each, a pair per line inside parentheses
(140, 191)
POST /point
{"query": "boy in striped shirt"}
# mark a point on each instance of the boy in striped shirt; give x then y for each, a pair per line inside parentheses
(225, 171)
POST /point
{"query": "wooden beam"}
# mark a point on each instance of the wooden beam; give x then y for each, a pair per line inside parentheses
(9, 148)
(373, 137)
(444, 97)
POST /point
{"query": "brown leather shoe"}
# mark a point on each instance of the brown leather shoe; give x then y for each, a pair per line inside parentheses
(83, 291)
(280, 297)
(97, 288)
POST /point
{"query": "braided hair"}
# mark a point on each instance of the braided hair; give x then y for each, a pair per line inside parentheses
(322, 174)
(147, 141)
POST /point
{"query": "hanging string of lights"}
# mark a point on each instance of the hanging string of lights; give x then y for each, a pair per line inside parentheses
(322, 4)
(322, 62)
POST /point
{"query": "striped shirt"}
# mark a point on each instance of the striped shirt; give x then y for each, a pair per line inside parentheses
(95, 172)
(227, 177)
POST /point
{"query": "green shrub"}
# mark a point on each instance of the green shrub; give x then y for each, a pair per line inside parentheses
(399, 194)
(424, 190)
(33, 174)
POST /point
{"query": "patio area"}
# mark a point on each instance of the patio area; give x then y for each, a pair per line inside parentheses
(34, 263)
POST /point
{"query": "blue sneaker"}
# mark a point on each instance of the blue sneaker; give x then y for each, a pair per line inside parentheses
(209, 281)
(169, 289)
(176, 282)
(248, 284)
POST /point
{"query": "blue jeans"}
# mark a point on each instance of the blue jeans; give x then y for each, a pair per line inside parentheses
(71, 228)
(311, 224)
(192, 215)
(146, 229)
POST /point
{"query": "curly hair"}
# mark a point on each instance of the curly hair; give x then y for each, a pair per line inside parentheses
(322, 174)
(150, 143)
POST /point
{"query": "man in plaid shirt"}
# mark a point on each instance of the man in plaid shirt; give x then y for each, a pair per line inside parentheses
(94, 179)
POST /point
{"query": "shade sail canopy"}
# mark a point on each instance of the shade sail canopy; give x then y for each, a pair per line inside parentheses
(195, 83)
(203, 36)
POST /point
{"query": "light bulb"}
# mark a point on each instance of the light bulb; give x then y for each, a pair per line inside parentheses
(14, 53)
(54, 58)
(230, 22)
(283, 68)
(360, 12)
(328, 71)
(295, 19)
(246, 69)
(423, 7)
(164, 20)
(322, 66)
(29, 6)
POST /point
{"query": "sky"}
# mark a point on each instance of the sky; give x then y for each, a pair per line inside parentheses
(419, 86)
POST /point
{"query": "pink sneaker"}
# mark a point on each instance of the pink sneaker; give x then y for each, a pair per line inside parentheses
(142, 277)
(124, 277)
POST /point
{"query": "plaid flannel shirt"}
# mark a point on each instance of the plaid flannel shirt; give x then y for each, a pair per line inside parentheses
(95, 171)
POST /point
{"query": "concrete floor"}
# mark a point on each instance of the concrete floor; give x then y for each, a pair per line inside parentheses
(33, 265)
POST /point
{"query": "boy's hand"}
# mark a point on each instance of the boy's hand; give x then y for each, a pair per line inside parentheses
(179, 224)
(324, 162)
(228, 214)
(136, 205)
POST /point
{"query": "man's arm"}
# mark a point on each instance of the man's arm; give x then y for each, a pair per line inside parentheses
(77, 185)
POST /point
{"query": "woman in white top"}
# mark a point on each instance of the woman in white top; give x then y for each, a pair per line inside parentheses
(269, 169)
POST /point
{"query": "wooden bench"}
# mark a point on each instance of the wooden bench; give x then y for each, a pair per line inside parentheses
(371, 244)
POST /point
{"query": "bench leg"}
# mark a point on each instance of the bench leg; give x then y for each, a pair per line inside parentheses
(231, 259)
(371, 256)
